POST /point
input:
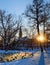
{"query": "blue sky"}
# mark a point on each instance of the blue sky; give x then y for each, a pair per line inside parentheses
(15, 6)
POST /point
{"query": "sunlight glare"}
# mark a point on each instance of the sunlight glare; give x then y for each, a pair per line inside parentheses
(41, 38)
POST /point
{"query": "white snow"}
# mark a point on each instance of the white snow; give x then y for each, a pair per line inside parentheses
(37, 59)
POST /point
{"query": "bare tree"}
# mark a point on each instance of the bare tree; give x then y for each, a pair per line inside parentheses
(34, 12)
(8, 28)
(46, 15)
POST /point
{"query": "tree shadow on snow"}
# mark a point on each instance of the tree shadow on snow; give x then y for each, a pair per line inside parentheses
(48, 53)
(41, 61)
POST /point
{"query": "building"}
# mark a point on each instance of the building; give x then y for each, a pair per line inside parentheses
(20, 32)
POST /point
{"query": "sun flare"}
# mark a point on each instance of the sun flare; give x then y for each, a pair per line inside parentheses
(41, 38)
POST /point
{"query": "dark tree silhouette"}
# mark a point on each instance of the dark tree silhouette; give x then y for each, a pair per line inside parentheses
(34, 12)
(8, 28)
(46, 15)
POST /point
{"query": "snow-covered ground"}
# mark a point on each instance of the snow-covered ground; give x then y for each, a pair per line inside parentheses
(37, 59)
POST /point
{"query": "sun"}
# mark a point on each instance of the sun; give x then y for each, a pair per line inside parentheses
(41, 38)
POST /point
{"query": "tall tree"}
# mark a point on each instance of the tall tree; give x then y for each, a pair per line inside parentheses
(34, 12)
(46, 15)
(8, 28)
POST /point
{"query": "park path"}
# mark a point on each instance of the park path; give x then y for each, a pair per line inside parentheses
(37, 59)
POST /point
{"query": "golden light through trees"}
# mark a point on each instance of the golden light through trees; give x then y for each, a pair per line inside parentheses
(41, 38)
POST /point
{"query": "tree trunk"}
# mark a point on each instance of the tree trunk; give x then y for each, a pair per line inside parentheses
(44, 27)
(38, 28)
